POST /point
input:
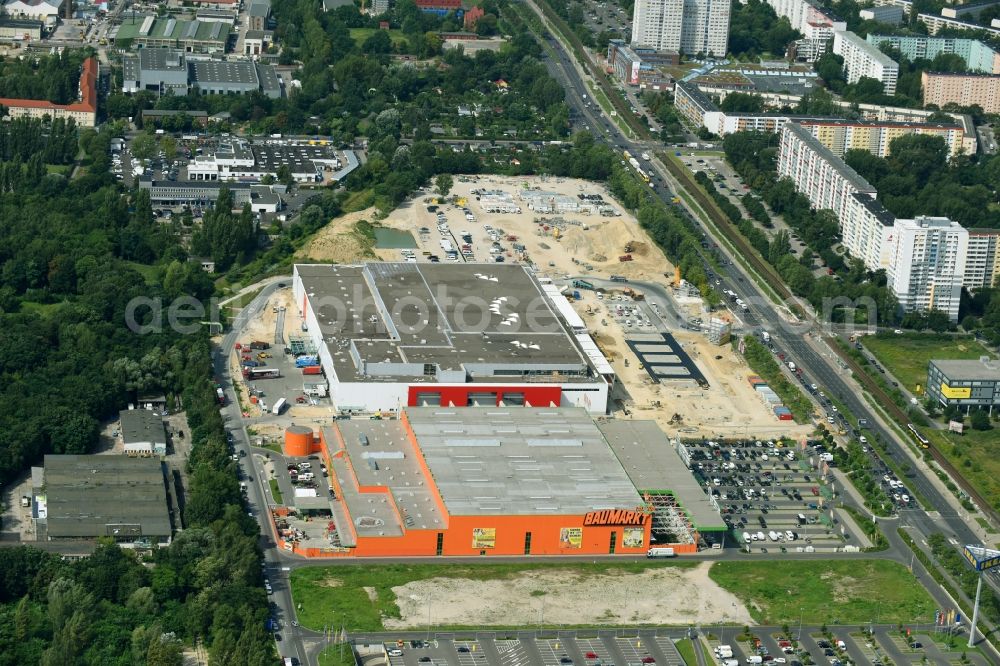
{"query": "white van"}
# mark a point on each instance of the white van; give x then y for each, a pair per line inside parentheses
(755, 659)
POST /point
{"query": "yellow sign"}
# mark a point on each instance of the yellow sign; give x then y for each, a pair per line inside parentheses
(957, 393)
(571, 537)
(633, 537)
(484, 537)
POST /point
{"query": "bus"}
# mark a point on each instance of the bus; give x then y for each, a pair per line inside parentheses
(261, 373)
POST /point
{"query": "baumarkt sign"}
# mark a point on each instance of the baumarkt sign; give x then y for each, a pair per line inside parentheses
(615, 517)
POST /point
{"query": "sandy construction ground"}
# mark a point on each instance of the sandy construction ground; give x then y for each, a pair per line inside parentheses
(338, 242)
(667, 595)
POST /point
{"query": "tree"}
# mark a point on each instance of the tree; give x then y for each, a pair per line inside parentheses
(980, 420)
(144, 146)
(443, 183)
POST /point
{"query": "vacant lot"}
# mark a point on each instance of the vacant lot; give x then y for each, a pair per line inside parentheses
(976, 454)
(374, 598)
(828, 591)
(359, 35)
(906, 356)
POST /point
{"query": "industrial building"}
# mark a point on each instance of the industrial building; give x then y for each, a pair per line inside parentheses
(20, 29)
(83, 112)
(170, 71)
(259, 15)
(142, 432)
(156, 32)
(46, 11)
(686, 26)
(392, 335)
(965, 383)
(482, 481)
(262, 198)
(94, 496)
(243, 160)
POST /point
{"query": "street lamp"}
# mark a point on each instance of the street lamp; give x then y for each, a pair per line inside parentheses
(799, 639)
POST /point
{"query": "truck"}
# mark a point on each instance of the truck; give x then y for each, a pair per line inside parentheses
(220, 395)
(765, 336)
(619, 278)
(305, 361)
(279, 406)
(312, 370)
(257, 344)
(724, 651)
(583, 284)
(791, 366)
(660, 552)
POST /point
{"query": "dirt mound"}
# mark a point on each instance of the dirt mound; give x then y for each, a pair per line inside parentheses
(338, 242)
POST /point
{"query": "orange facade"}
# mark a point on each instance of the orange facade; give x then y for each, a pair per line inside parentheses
(622, 532)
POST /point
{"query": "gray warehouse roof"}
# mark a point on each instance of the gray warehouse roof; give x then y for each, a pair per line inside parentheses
(116, 496)
(982, 369)
(142, 425)
(653, 465)
(521, 461)
(471, 317)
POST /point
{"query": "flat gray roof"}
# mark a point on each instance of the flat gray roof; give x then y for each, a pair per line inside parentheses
(388, 460)
(520, 461)
(240, 72)
(142, 425)
(116, 496)
(469, 318)
(839, 165)
(972, 369)
(875, 207)
(653, 465)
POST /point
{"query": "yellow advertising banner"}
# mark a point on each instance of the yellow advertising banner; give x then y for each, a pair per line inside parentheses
(957, 393)
(571, 537)
(633, 537)
(484, 537)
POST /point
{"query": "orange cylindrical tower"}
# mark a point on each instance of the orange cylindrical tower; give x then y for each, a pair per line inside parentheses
(298, 441)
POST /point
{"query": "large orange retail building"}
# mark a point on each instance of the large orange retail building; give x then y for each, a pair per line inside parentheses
(490, 481)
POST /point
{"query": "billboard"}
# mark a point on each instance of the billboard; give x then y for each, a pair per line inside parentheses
(956, 393)
(633, 537)
(633, 75)
(484, 538)
(571, 537)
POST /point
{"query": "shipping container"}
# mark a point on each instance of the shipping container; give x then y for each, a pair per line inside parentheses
(312, 370)
(305, 361)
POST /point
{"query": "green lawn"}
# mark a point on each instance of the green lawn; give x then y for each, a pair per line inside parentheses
(906, 356)
(337, 655)
(976, 455)
(826, 591)
(686, 648)
(335, 595)
(61, 169)
(151, 274)
(359, 35)
(276, 491)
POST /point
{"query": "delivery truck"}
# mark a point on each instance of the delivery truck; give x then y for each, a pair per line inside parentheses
(660, 552)
(279, 406)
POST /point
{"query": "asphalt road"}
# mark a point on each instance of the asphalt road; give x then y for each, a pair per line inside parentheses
(803, 343)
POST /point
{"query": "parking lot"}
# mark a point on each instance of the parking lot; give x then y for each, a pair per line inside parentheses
(772, 495)
(566, 649)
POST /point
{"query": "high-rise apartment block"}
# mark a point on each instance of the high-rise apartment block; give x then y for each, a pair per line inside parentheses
(978, 57)
(862, 59)
(962, 89)
(686, 26)
(927, 264)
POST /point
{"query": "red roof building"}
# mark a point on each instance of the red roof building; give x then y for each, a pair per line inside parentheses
(84, 111)
(472, 17)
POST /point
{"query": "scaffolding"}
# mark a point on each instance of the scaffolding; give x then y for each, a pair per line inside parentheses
(301, 345)
(669, 518)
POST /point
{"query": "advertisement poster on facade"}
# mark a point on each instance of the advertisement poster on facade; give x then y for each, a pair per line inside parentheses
(571, 537)
(484, 537)
(633, 537)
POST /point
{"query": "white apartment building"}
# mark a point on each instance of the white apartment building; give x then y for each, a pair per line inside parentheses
(866, 228)
(683, 26)
(927, 258)
(982, 264)
(818, 174)
(808, 17)
(862, 59)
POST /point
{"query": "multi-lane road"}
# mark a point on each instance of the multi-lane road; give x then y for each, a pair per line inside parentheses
(803, 341)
